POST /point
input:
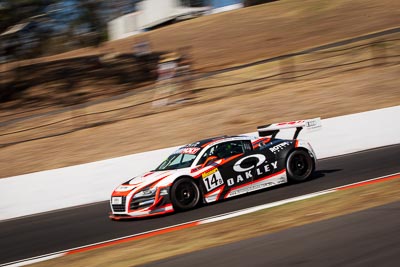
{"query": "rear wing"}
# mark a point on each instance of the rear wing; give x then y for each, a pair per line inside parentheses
(273, 129)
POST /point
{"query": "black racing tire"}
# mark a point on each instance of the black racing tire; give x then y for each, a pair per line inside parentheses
(185, 194)
(299, 166)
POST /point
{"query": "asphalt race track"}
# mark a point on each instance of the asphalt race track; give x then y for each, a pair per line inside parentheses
(65, 229)
(366, 238)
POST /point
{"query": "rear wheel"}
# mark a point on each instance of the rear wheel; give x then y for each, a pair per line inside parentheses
(185, 194)
(299, 166)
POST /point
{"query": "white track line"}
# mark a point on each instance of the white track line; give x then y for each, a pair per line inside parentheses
(34, 260)
(200, 221)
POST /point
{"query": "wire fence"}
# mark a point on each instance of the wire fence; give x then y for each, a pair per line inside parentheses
(196, 88)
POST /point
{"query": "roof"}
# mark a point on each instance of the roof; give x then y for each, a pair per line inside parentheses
(212, 140)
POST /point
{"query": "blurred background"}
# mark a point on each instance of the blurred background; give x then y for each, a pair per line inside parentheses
(34, 28)
(88, 80)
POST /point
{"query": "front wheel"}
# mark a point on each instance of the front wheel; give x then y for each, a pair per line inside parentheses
(185, 194)
(299, 166)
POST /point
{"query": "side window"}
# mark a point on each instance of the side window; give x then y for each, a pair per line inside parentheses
(229, 149)
(208, 153)
(226, 150)
(237, 147)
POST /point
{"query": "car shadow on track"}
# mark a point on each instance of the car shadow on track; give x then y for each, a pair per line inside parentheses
(321, 173)
(318, 174)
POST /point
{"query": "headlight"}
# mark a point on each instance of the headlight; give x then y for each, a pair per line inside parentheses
(146, 192)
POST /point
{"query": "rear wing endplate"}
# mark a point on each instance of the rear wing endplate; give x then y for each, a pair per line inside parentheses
(273, 129)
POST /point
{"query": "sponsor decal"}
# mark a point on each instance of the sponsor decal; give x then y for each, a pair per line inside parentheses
(258, 168)
(260, 160)
(188, 150)
(311, 123)
(278, 147)
(290, 123)
(257, 186)
(205, 174)
(212, 179)
(193, 144)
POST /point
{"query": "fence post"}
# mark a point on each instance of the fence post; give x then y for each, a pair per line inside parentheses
(287, 69)
(378, 52)
(185, 73)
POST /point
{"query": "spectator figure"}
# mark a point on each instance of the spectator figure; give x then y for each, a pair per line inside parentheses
(184, 72)
(142, 54)
(166, 71)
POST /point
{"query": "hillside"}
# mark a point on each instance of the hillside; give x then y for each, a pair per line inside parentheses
(359, 78)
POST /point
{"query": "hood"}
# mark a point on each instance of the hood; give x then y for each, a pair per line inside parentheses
(149, 178)
(142, 181)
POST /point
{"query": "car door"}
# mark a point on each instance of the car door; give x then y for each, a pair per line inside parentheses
(250, 171)
(218, 162)
(236, 167)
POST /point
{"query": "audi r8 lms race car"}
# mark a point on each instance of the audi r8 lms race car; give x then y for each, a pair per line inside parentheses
(215, 169)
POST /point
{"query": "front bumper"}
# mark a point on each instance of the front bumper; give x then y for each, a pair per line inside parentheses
(129, 207)
(142, 213)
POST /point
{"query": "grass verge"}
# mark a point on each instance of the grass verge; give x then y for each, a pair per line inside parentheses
(247, 226)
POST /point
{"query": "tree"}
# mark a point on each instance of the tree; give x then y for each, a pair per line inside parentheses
(90, 18)
(16, 11)
(22, 28)
(59, 25)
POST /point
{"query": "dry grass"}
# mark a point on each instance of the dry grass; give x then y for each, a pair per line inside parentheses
(263, 222)
(345, 87)
(263, 31)
(235, 109)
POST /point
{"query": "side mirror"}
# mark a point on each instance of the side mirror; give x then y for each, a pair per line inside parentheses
(210, 160)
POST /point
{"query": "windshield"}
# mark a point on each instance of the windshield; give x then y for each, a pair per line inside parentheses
(182, 158)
